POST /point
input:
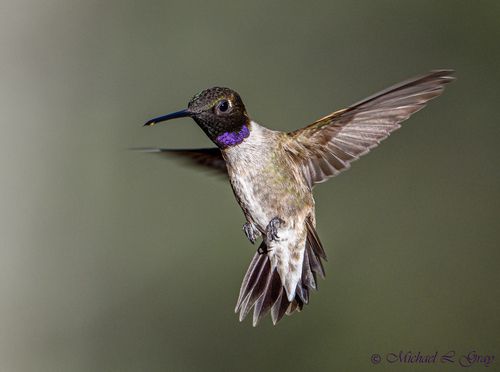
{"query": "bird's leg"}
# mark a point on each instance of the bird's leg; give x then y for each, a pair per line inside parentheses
(272, 228)
(251, 232)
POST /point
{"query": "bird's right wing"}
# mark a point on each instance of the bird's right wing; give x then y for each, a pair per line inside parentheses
(210, 158)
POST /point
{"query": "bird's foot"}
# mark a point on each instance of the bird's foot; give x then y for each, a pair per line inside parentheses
(272, 228)
(251, 232)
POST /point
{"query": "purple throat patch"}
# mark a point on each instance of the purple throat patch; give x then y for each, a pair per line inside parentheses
(234, 138)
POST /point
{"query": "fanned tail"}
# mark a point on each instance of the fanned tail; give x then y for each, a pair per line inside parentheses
(263, 290)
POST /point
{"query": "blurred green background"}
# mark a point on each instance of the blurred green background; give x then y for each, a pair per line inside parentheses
(113, 260)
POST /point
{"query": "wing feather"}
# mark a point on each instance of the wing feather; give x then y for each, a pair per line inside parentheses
(328, 146)
(208, 157)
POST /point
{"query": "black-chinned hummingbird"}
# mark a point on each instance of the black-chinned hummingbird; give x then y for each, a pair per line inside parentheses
(272, 174)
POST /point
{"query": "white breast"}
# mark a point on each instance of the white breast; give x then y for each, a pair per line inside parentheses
(258, 186)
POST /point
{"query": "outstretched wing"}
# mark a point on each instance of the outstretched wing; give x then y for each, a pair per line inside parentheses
(210, 157)
(329, 145)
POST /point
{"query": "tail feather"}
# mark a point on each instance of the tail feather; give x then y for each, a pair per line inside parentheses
(296, 304)
(274, 289)
(279, 309)
(313, 240)
(302, 292)
(250, 278)
(255, 283)
(263, 290)
(308, 276)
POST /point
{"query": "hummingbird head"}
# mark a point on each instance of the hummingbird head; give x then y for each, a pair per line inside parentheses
(221, 114)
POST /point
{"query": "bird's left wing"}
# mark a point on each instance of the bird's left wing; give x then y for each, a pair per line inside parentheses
(328, 146)
(209, 157)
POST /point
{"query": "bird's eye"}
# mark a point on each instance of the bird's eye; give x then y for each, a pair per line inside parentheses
(224, 106)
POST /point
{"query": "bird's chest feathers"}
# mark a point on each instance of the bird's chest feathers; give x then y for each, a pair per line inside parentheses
(263, 178)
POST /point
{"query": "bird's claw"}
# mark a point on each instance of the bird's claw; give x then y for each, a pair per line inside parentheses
(251, 232)
(272, 228)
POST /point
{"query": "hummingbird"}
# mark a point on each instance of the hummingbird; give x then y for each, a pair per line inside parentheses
(273, 173)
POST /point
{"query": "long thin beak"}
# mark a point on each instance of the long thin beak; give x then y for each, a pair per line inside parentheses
(175, 115)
